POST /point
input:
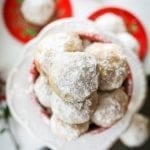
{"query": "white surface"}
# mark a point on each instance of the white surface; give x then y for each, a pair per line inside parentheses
(6, 142)
(11, 46)
(24, 139)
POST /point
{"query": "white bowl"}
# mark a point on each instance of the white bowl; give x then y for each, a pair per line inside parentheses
(26, 112)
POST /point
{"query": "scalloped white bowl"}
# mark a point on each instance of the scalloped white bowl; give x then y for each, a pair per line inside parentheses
(25, 111)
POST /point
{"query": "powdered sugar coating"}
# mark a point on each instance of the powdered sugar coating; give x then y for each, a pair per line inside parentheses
(110, 22)
(73, 76)
(38, 12)
(43, 91)
(138, 131)
(56, 43)
(112, 107)
(112, 65)
(66, 131)
(59, 42)
(74, 113)
(129, 41)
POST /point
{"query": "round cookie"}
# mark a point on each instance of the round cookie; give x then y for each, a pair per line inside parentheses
(73, 76)
(38, 12)
(112, 107)
(138, 131)
(112, 65)
(66, 131)
(129, 41)
(56, 43)
(43, 91)
(110, 22)
(74, 113)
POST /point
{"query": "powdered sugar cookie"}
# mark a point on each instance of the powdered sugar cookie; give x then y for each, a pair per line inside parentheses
(111, 23)
(137, 132)
(111, 63)
(67, 131)
(74, 113)
(112, 107)
(56, 43)
(43, 91)
(73, 76)
(38, 12)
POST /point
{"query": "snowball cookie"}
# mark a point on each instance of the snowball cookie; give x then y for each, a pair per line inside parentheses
(56, 43)
(66, 131)
(59, 42)
(43, 91)
(129, 41)
(74, 113)
(73, 76)
(38, 12)
(110, 22)
(137, 133)
(112, 107)
(112, 65)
